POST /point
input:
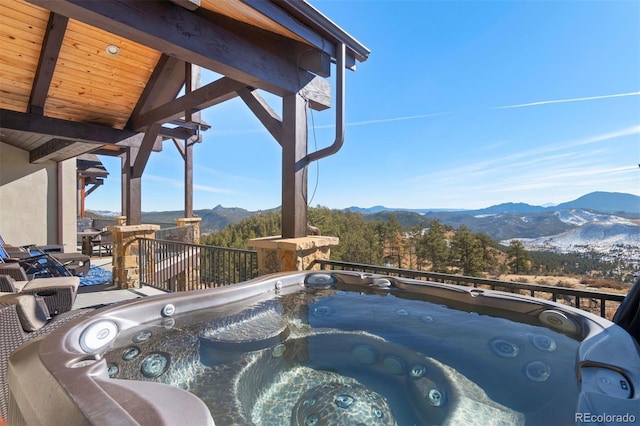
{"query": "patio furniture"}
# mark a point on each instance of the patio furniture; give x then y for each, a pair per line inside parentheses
(77, 263)
(91, 237)
(23, 317)
(38, 266)
(58, 293)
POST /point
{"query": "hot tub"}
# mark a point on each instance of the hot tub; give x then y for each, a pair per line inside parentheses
(327, 348)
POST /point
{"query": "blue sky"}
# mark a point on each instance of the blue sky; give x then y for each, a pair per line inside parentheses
(462, 104)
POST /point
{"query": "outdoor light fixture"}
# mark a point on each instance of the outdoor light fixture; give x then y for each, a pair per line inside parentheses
(113, 50)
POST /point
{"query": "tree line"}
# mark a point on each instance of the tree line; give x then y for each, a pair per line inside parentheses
(434, 247)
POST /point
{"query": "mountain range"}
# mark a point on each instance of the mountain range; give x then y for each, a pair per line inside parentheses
(606, 202)
(598, 219)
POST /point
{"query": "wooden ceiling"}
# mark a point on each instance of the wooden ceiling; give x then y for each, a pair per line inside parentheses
(62, 93)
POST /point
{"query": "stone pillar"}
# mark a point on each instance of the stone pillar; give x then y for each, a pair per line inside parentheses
(189, 279)
(126, 248)
(276, 254)
(195, 221)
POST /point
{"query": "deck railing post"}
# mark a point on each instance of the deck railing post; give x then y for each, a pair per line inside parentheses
(126, 250)
(276, 254)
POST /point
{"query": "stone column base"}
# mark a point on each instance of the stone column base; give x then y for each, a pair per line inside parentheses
(195, 221)
(276, 254)
(126, 270)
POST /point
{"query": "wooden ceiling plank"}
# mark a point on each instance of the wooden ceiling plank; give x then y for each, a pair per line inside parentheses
(100, 63)
(176, 31)
(14, 104)
(92, 106)
(20, 19)
(47, 63)
(98, 39)
(84, 132)
(27, 9)
(213, 93)
(99, 76)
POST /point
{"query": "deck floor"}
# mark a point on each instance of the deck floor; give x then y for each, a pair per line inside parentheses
(108, 296)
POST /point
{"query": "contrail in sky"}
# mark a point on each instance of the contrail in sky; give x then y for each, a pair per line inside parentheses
(560, 101)
(385, 120)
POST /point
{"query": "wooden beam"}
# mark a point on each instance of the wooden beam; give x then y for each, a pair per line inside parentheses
(95, 186)
(318, 93)
(48, 150)
(51, 44)
(261, 109)
(163, 86)
(213, 93)
(177, 132)
(178, 32)
(285, 19)
(57, 128)
(316, 60)
(179, 147)
(148, 142)
(294, 181)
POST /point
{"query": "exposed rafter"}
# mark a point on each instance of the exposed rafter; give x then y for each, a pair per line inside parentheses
(163, 86)
(46, 65)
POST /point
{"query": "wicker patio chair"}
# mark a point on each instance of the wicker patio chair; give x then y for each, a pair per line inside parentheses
(23, 317)
(59, 293)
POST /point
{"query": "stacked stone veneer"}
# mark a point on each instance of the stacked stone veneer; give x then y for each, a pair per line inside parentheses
(276, 254)
(126, 249)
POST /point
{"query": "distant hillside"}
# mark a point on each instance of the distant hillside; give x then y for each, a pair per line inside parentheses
(213, 220)
(501, 222)
(607, 202)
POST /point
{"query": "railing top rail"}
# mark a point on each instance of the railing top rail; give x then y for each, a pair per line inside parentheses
(234, 250)
(479, 281)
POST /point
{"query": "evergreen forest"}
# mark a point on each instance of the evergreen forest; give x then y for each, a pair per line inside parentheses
(435, 247)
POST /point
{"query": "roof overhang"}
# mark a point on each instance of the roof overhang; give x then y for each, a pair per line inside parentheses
(67, 92)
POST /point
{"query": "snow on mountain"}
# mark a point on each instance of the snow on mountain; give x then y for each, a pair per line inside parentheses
(599, 236)
(579, 217)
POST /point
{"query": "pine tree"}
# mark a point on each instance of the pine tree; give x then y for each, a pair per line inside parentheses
(518, 257)
(466, 252)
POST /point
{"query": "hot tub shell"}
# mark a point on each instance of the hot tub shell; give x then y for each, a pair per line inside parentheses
(63, 378)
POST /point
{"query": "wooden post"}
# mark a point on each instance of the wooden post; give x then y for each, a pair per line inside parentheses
(294, 182)
(126, 250)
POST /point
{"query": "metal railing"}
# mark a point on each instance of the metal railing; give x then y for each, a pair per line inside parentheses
(589, 300)
(177, 266)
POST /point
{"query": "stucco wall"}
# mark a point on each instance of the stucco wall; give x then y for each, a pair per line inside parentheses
(29, 200)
